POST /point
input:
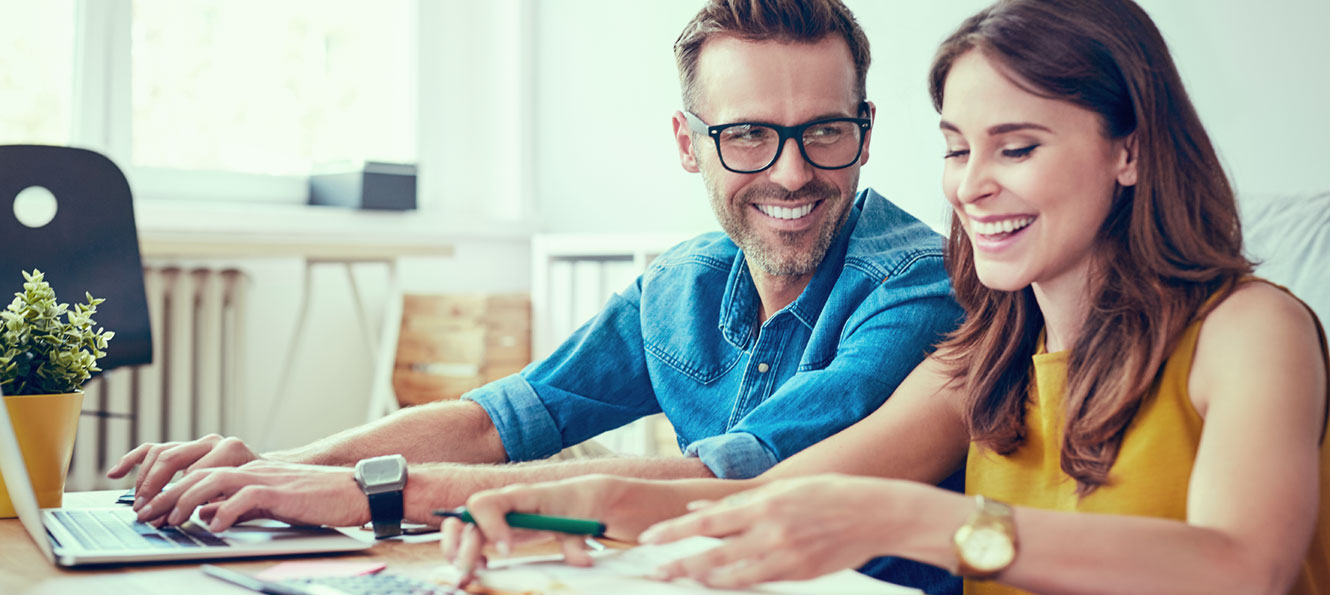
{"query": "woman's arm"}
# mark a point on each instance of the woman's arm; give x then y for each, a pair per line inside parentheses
(916, 434)
(1259, 372)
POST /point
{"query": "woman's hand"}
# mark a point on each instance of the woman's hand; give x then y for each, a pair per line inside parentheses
(618, 502)
(792, 529)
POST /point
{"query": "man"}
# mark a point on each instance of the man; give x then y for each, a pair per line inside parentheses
(796, 322)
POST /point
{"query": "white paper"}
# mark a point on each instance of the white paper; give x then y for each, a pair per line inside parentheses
(622, 571)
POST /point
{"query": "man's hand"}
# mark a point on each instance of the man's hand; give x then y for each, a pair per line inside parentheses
(158, 463)
(289, 492)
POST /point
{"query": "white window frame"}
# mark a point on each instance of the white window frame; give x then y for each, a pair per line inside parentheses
(103, 115)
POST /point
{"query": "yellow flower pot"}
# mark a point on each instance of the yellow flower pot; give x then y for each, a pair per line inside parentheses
(45, 425)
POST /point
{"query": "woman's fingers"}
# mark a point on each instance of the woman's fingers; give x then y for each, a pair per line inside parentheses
(469, 555)
(715, 520)
(450, 538)
(574, 550)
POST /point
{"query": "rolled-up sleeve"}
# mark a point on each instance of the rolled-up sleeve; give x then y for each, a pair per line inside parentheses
(525, 426)
(595, 381)
(734, 455)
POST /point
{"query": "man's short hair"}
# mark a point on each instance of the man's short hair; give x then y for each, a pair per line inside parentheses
(785, 21)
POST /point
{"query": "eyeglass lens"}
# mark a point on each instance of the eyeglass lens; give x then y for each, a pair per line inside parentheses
(831, 144)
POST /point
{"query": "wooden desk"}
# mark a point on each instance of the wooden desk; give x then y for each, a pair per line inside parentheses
(23, 569)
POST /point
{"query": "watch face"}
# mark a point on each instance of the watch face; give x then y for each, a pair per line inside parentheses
(381, 471)
(987, 548)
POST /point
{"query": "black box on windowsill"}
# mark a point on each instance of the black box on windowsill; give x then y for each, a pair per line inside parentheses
(367, 185)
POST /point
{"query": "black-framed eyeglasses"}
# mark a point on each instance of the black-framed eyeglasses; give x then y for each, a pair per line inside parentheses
(751, 147)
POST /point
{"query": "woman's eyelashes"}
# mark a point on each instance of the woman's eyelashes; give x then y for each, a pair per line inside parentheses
(1015, 153)
(1019, 153)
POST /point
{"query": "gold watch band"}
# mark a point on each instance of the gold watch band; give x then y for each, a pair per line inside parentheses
(986, 544)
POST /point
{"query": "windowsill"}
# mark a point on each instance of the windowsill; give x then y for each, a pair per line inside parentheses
(196, 229)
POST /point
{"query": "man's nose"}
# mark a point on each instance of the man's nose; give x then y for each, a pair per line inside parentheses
(791, 170)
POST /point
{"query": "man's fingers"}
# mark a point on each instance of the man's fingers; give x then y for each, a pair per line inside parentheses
(209, 510)
(229, 511)
(224, 452)
(128, 461)
(167, 464)
(148, 459)
(219, 482)
(159, 506)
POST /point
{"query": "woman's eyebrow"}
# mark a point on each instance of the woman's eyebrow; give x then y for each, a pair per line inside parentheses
(999, 128)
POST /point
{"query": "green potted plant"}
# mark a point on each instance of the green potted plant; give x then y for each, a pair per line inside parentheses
(47, 352)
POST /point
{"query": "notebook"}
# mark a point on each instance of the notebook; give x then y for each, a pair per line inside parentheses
(112, 535)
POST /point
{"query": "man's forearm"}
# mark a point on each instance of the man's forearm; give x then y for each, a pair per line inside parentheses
(454, 431)
(431, 487)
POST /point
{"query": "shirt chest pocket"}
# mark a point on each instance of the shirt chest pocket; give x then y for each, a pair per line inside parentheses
(700, 360)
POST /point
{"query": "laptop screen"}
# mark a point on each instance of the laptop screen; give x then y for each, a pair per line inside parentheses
(21, 493)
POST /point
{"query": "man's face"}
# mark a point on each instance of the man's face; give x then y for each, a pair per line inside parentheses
(785, 217)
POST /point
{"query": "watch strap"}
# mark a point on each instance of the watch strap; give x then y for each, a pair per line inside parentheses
(992, 515)
(385, 509)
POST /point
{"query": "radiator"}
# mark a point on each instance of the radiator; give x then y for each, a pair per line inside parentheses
(574, 276)
(190, 388)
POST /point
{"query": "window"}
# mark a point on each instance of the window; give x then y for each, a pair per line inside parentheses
(236, 99)
(271, 87)
(37, 77)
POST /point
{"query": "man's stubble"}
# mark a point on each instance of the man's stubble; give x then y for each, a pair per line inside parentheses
(780, 259)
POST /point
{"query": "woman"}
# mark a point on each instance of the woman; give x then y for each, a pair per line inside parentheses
(1137, 414)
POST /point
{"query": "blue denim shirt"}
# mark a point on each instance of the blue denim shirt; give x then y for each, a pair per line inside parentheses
(684, 339)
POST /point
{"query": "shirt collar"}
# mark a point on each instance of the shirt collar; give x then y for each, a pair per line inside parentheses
(740, 302)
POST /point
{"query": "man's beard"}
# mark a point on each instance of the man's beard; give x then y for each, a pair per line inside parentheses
(778, 257)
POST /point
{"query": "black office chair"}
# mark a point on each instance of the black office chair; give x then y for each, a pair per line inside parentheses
(91, 245)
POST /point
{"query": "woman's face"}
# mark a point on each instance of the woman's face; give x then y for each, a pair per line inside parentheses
(1031, 179)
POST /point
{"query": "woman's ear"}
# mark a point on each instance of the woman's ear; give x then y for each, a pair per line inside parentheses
(684, 139)
(1128, 157)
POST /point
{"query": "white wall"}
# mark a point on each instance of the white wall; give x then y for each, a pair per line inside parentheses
(332, 372)
(1254, 70)
(560, 110)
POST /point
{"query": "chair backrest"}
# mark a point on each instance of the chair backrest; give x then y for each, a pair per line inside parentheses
(90, 245)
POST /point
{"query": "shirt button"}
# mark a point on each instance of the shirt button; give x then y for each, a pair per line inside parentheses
(763, 367)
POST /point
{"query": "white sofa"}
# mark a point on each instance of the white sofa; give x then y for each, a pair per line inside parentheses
(1289, 236)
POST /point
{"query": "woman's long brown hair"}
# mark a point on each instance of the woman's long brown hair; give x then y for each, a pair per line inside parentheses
(1168, 244)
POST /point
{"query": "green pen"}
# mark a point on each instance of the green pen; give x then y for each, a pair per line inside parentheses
(538, 522)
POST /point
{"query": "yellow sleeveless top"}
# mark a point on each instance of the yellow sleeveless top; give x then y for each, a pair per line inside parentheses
(1151, 474)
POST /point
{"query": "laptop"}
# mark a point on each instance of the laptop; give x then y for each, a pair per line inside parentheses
(112, 535)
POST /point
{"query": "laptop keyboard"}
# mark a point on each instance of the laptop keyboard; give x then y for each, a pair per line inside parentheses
(109, 530)
(375, 584)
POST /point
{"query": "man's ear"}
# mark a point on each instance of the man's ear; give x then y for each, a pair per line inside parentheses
(868, 136)
(684, 139)
(1127, 160)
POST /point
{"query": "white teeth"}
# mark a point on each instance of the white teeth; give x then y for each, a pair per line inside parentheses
(784, 212)
(997, 227)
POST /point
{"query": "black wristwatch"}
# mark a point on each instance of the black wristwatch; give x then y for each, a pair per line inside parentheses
(383, 479)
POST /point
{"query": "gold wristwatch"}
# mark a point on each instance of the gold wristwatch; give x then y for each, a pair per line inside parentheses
(986, 543)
